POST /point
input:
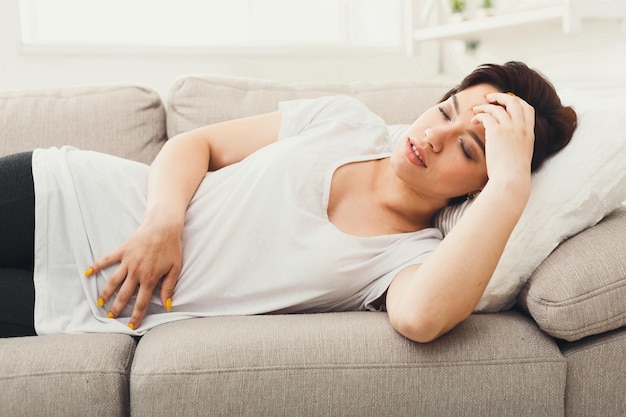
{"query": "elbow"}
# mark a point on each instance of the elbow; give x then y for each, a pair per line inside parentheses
(421, 328)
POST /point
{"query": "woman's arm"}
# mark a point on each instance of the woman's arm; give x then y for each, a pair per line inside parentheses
(426, 301)
(154, 251)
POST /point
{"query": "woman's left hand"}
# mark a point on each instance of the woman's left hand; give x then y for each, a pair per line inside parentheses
(509, 135)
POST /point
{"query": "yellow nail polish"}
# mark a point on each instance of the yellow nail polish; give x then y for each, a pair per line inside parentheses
(511, 94)
(131, 326)
(100, 302)
(168, 304)
(111, 315)
(88, 272)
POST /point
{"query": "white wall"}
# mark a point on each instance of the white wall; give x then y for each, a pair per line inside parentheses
(593, 60)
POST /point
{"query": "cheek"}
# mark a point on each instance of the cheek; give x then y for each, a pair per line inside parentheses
(397, 152)
(466, 174)
(423, 122)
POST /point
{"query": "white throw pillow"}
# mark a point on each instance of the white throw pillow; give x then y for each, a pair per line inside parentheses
(574, 190)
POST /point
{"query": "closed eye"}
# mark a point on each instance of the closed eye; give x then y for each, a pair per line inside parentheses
(444, 114)
(464, 149)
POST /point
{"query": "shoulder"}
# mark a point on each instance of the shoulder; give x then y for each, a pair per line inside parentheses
(326, 112)
(338, 107)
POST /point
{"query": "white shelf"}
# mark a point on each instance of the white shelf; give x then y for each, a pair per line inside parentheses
(471, 29)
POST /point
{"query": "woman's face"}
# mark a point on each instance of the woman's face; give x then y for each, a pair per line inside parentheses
(442, 154)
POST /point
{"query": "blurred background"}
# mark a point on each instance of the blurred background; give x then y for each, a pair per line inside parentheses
(56, 43)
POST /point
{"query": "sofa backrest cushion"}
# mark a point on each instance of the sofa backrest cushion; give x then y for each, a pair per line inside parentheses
(122, 120)
(198, 100)
(580, 289)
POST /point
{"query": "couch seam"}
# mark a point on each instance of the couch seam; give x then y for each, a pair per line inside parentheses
(98, 90)
(5, 377)
(584, 329)
(348, 367)
(616, 285)
(314, 86)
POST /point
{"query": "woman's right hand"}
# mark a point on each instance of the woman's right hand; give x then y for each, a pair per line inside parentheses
(152, 254)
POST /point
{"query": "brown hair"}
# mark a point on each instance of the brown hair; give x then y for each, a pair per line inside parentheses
(554, 123)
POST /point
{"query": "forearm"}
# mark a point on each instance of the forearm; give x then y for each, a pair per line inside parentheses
(174, 177)
(432, 299)
(185, 159)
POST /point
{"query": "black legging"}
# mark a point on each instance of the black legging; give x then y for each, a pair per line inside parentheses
(17, 246)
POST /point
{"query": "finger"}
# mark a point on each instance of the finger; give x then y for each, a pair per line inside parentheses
(488, 121)
(105, 261)
(518, 110)
(502, 99)
(529, 114)
(144, 295)
(112, 284)
(515, 106)
(499, 113)
(167, 287)
(124, 294)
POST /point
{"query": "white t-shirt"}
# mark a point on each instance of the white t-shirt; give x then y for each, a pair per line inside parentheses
(257, 238)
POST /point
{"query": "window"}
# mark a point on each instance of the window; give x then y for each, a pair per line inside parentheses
(213, 23)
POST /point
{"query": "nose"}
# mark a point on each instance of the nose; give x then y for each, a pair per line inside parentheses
(437, 137)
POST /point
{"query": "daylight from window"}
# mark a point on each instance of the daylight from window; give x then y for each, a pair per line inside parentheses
(198, 23)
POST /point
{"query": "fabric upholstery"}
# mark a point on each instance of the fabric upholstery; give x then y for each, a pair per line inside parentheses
(345, 364)
(66, 375)
(194, 101)
(127, 121)
(580, 289)
(596, 376)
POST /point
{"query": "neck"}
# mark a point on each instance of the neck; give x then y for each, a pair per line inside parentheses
(396, 196)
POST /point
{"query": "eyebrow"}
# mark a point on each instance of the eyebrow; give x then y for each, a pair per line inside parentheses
(455, 101)
(473, 134)
(477, 140)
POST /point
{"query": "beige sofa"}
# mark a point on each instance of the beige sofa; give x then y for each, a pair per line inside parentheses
(561, 351)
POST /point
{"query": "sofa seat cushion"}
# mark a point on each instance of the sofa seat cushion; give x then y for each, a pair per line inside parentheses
(580, 289)
(65, 375)
(197, 100)
(122, 120)
(344, 364)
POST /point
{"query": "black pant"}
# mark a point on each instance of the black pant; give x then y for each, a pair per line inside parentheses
(17, 233)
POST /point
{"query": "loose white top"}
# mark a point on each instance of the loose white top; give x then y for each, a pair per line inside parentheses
(257, 238)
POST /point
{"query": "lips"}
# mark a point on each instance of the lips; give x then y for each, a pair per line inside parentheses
(415, 154)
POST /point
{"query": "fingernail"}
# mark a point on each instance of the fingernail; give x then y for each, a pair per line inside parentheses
(168, 304)
(111, 315)
(88, 272)
(511, 94)
(100, 302)
(131, 326)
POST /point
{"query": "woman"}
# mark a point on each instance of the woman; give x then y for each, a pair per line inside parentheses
(304, 209)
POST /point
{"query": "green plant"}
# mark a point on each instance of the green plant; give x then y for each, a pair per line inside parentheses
(487, 4)
(458, 6)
